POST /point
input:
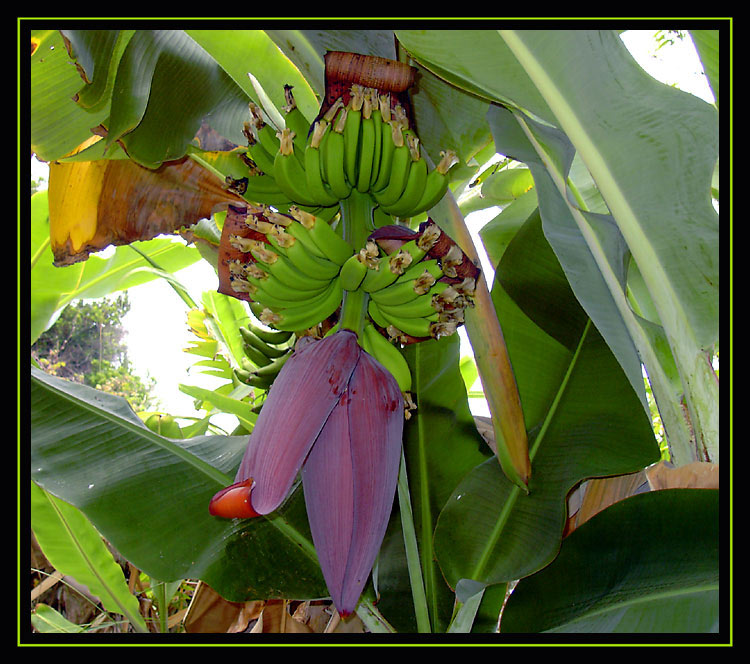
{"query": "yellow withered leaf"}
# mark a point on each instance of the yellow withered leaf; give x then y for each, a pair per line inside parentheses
(94, 204)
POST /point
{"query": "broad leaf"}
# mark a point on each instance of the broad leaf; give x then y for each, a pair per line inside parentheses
(479, 62)
(582, 415)
(648, 564)
(48, 621)
(264, 61)
(639, 139)
(58, 125)
(149, 496)
(224, 403)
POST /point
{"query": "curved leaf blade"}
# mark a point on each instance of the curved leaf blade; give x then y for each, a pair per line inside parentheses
(640, 139)
(74, 548)
(91, 450)
(648, 564)
(582, 416)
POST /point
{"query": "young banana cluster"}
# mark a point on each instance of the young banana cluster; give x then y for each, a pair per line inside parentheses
(266, 351)
(411, 296)
(365, 144)
(289, 266)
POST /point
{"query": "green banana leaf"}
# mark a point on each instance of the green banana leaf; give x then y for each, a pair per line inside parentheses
(707, 44)
(636, 145)
(227, 315)
(149, 495)
(74, 548)
(582, 416)
(225, 403)
(270, 69)
(52, 288)
(648, 564)
(57, 124)
(48, 621)
(673, 239)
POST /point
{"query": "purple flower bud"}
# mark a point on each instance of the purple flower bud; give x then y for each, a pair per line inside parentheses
(335, 414)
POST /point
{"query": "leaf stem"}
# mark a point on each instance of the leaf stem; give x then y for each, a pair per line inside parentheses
(412, 551)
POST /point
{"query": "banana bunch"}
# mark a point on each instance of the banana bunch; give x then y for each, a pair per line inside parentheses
(411, 294)
(364, 145)
(292, 274)
(266, 351)
(367, 145)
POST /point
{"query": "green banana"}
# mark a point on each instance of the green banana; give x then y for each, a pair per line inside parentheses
(314, 167)
(390, 134)
(415, 251)
(431, 267)
(289, 171)
(257, 188)
(418, 307)
(254, 358)
(333, 158)
(272, 352)
(391, 267)
(404, 289)
(260, 156)
(271, 370)
(351, 133)
(264, 376)
(420, 327)
(264, 132)
(388, 355)
(297, 231)
(366, 145)
(375, 315)
(399, 171)
(287, 273)
(379, 107)
(250, 378)
(413, 190)
(309, 314)
(276, 295)
(435, 185)
(309, 264)
(399, 292)
(294, 119)
(327, 240)
(352, 273)
(421, 307)
(269, 336)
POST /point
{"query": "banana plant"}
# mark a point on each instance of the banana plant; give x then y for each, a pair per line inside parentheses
(338, 170)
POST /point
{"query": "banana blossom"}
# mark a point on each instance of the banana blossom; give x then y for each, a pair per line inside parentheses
(335, 415)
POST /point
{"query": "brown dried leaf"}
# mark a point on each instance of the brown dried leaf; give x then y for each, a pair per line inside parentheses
(95, 204)
(210, 613)
(595, 495)
(696, 475)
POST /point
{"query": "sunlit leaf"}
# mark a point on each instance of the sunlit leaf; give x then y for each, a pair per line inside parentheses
(52, 288)
(73, 547)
